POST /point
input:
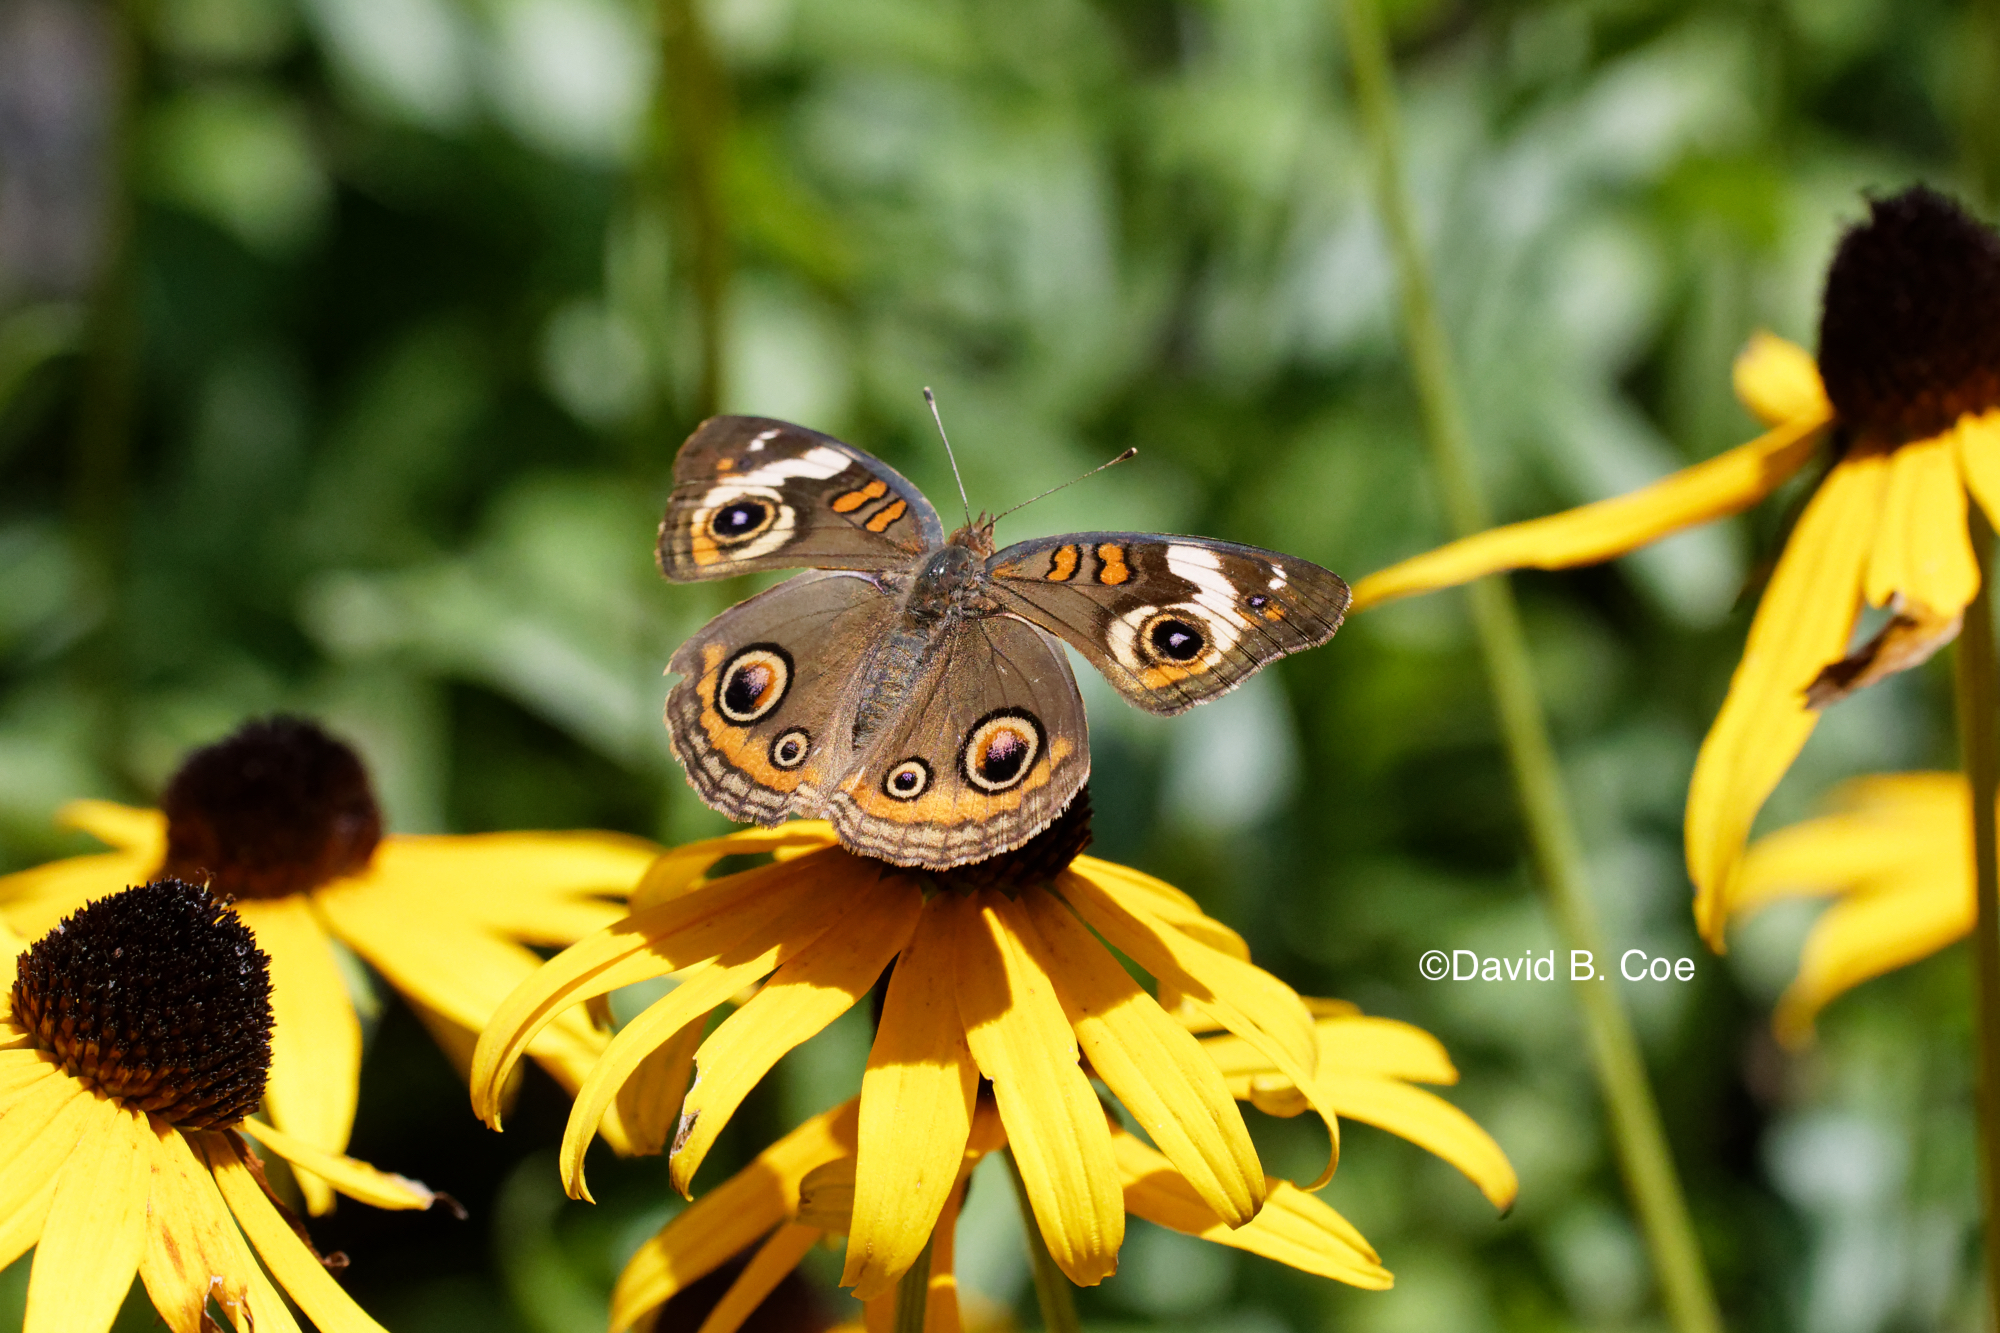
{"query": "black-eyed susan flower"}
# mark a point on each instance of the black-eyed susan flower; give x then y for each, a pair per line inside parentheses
(1904, 407)
(1000, 973)
(280, 818)
(134, 1039)
(802, 1190)
(1894, 851)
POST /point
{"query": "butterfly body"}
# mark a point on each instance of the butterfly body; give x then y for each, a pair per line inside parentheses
(911, 687)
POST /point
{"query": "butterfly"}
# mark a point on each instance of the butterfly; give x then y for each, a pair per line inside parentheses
(911, 687)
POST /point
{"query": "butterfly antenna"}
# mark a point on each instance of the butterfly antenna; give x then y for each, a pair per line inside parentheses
(1128, 454)
(931, 398)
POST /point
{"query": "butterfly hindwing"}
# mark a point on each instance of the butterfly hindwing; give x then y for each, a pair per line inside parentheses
(983, 747)
(760, 714)
(752, 493)
(1170, 621)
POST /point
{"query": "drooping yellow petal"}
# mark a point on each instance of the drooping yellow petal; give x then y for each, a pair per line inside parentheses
(315, 1077)
(674, 935)
(296, 1269)
(760, 1277)
(940, 1294)
(1726, 484)
(1921, 547)
(917, 1098)
(677, 871)
(1241, 996)
(1430, 1122)
(1881, 830)
(193, 1250)
(1978, 441)
(36, 900)
(39, 1130)
(845, 884)
(541, 888)
(1017, 1031)
(96, 1227)
(1778, 380)
(129, 828)
(1293, 1227)
(1167, 903)
(727, 1219)
(1867, 934)
(817, 985)
(1801, 624)
(1151, 1063)
(649, 1104)
(356, 1179)
(1353, 1043)
(458, 971)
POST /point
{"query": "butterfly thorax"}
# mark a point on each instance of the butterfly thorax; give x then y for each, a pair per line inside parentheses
(951, 583)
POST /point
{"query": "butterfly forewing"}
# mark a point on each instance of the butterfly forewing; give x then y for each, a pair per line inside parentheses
(752, 493)
(1170, 621)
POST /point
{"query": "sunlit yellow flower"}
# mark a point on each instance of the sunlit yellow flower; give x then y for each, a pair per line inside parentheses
(1000, 971)
(280, 818)
(802, 1189)
(1895, 853)
(133, 1041)
(1904, 404)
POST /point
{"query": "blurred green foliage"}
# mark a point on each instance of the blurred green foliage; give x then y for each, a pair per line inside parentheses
(345, 346)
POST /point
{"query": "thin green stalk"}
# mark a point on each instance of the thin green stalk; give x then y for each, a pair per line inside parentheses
(1621, 1074)
(698, 113)
(1052, 1291)
(1978, 707)
(913, 1293)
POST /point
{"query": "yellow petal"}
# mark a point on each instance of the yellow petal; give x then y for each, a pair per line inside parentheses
(657, 941)
(356, 1179)
(1922, 548)
(1021, 1038)
(193, 1250)
(678, 871)
(129, 828)
(1151, 1063)
(543, 888)
(940, 1294)
(1881, 833)
(39, 1131)
(297, 1270)
(1726, 484)
(1778, 380)
(96, 1227)
(1801, 624)
(1293, 1227)
(819, 984)
(1242, 997)
(1867, 934)
(917, 1098)
(727, 1219)
(457, 970)
(1430, 1122)
(1978, 440)
(648, 1105)
(1167, 903)
(315, 1037)
(36, 900)
(760, 1277)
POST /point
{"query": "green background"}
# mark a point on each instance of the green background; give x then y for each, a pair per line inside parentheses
(345, 346)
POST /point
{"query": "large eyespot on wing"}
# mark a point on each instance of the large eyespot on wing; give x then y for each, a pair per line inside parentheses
(1001, 750)
(754, 493)
(752, 683)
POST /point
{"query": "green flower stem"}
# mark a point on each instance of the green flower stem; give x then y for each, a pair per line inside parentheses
(1621, 1075)
(1052, 1291)
(1978, 706)
(697, 110)
(913, 1293)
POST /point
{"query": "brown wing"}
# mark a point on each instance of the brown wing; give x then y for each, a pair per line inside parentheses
(761, 717)
(753, 493)
(1170, 621)
(988, 746)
